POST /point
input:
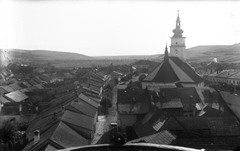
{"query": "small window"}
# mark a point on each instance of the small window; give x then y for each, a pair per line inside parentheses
(176, 51)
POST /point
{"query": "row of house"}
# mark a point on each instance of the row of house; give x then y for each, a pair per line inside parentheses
(69, 120)
(225, 76)
(17, 89)
(180, 102)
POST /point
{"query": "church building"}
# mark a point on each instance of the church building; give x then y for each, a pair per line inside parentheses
(173, 71)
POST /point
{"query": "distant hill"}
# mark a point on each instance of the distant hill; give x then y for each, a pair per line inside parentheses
(56, 55)
(42, 55)
(223, 53)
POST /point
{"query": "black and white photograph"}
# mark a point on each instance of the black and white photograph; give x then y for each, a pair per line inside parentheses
(119, 75)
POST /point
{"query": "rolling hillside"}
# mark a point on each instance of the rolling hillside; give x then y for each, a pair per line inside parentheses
(56, 55)
(224, 53)
(42, 55)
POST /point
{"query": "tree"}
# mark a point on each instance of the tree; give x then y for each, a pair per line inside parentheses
(115, 80)
(107, 87)
(20, 69)
(10, 137)
(141, 77)
(105, 103)
(107, 93)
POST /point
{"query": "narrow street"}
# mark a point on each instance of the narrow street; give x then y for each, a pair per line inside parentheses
(104, 122)
(112, 116)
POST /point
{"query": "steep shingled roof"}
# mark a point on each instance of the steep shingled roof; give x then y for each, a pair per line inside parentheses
(173, 103)
(182, 93)
(163, 137)
(3, 100)
(187, 69)
(173, 70)
(164, 73)
(82, 107)
(94, 88)
(147, 126)
(206, 126)
(93, 82)
(232, 101)
(58, 106)
(88, 100)
(68, 122)
(15, 86)
(7, 88)
(78, 119)
(59, 136)
(2, 91)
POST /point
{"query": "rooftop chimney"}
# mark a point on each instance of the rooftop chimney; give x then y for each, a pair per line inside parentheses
(20, 108)
(55, 115)
(63, 108)
(36, 108)
(193, 103)
(36, 136)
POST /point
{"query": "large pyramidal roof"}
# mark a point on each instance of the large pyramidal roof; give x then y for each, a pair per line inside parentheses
(173, 70)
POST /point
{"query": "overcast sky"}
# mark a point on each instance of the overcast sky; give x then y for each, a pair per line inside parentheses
(104, 27)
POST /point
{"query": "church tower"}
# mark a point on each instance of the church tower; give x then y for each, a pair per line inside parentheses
(177, 41)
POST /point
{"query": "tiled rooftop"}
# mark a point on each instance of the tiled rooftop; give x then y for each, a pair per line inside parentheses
(16, 96)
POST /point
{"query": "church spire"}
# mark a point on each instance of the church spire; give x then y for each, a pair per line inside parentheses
(178, 24)
(166, 53)
(178, 31)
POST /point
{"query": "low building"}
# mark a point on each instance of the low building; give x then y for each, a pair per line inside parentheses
(225, 76)
(130, 105)
(16, 96)
(178, 101)
(18, 112)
